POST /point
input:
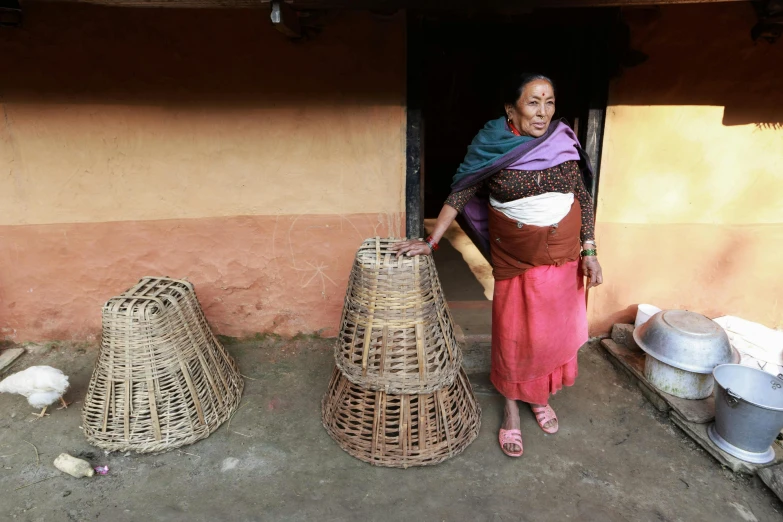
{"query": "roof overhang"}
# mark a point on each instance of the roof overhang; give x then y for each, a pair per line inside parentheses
(386, 5)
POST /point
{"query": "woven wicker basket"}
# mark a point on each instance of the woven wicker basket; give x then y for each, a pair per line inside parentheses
(162, 379)
(396, 333)
(401, 430)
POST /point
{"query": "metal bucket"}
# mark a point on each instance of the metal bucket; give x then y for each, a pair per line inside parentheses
(677, 382)
(748, 412)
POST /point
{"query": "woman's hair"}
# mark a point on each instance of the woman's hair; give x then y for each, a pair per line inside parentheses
(517, 83)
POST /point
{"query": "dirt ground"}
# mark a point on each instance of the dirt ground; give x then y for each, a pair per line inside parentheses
(615, 459)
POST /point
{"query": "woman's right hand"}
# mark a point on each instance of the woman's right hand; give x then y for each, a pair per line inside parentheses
(417, 247)
(412, 247)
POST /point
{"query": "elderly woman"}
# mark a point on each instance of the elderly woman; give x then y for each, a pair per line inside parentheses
(521, 189)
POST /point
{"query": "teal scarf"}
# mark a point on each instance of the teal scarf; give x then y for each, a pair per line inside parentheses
(491, 143)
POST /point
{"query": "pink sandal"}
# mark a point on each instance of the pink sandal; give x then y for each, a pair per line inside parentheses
(543, 415)
(510, 437)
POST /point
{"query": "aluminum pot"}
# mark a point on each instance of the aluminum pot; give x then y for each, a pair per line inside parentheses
(680, 383)
(685, 340)
(748, 412)
(643, 314)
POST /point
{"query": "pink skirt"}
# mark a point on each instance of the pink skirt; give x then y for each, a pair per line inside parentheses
(539, 322)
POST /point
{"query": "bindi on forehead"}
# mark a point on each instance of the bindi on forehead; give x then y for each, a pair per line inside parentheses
(541, 95)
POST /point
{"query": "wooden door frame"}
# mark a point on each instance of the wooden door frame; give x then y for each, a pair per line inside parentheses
(414, 132)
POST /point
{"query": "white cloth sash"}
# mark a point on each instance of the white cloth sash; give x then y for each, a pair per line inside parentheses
(540, 211)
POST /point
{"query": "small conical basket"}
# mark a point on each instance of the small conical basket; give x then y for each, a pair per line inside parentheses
(162, 379)
(396, 333)
(401, 431)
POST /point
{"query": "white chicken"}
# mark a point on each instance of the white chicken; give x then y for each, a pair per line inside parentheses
(42, 385)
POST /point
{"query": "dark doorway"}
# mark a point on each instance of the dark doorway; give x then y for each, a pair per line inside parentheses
(458, 64)
(457, 67)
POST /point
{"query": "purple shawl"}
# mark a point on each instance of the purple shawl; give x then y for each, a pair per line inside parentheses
(558, 145)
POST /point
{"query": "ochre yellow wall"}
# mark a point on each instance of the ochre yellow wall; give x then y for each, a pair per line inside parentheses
(690, 206)
(94, 163)
(197, 144)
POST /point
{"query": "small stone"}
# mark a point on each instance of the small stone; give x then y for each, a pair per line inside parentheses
(66, 493)
(39, 349)
(73, 466)
(7, 357)
(622, 334)
(229, 464)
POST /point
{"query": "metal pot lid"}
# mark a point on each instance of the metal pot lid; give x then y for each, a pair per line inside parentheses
(686, 340)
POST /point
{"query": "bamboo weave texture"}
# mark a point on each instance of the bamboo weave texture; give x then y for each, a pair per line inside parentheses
(396, 333)
(162, 379)
(401, 430)
(398, 396)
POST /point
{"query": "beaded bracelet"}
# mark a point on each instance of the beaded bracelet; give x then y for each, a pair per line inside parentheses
(432, 244)
(589, 253)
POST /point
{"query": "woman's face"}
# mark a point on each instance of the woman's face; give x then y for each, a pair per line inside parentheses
(534, 109)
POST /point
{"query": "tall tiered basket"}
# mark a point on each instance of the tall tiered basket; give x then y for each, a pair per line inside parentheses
(398, 396)
(162, 379)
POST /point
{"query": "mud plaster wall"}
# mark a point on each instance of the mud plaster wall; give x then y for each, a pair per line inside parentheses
(690, 207)
(199, 144)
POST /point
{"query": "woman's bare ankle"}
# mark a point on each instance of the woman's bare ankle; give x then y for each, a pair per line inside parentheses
(511, 415)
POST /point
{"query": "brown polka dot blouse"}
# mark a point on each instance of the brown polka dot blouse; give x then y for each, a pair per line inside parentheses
(508, 185)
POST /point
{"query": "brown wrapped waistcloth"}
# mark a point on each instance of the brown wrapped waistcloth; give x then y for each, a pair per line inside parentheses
(516, 248)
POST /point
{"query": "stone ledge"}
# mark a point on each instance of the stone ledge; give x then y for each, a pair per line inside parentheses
(691, 416)
(631, 362)
(475, 351)
(772, 476)
(7, 357)
(698, 432)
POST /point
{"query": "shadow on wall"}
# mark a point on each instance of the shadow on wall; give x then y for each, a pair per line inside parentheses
(712, 59)
(76, 53)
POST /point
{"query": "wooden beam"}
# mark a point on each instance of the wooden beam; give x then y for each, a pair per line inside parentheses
(179, 4)
(598, 82)
(414, 177)
(486, 5)
(414, 135)
(593, 146)
(506, 6)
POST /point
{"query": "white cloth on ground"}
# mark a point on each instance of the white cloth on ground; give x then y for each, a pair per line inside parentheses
(760, 347)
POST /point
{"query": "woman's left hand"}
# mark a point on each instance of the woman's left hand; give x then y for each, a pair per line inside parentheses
(592, 270)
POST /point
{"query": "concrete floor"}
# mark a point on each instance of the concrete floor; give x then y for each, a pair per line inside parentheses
(614, 460)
